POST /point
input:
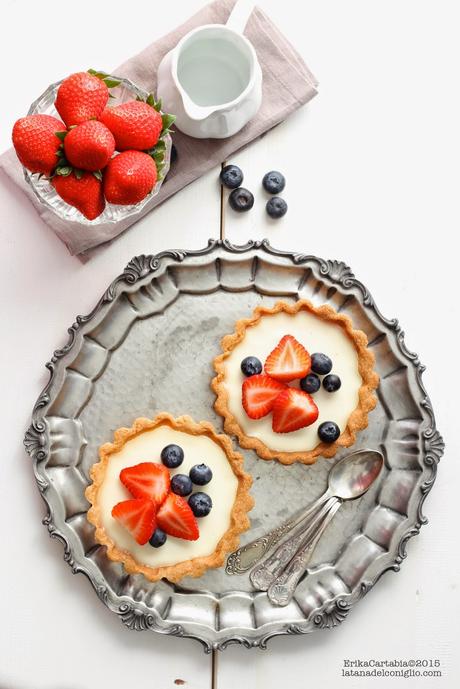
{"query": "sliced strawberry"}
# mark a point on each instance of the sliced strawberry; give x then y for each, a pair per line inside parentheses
(138, 517)
(177, 519)
(293, 409)
(259, 393)
(147, 480)
(288, 361)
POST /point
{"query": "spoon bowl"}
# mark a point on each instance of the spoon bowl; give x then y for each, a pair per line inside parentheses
(352, 475)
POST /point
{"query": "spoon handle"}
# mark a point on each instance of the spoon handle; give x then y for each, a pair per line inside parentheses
(282, 589)
(266, 572)
(250, 554)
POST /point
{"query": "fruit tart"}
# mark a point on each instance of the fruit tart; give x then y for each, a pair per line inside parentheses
(169, 497)
(295, 382)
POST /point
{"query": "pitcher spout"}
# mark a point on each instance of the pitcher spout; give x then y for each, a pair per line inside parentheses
(193, 110)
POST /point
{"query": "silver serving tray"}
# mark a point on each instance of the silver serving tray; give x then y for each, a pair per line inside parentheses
(147, 347)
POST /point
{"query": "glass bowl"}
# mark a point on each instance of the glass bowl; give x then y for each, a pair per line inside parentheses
(45, 192)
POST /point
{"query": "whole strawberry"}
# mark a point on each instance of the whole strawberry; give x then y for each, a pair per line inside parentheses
(129, 177)
(81, 97)
(89, 146)
(36, 143)
(83, 192)
(135, 125)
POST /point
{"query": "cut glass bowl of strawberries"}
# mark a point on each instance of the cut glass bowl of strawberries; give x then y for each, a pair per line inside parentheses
(95, 148)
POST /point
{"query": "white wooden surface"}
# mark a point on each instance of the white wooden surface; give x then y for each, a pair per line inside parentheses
(372, 170)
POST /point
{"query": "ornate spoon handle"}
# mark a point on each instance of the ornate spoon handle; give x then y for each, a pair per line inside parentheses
(250, 554)
(266, 572)
(282, 589)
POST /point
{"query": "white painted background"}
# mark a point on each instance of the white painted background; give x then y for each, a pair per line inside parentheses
(372, 166)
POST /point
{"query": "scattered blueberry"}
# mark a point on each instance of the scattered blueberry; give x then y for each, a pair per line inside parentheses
(200, 504)
(274, 182)
(172, 456)
(311, 383)
(328, 431)
(241, 200)
(158, 538)
(331, 383)
(200, 474)
(251, 366)
(276, 207)
(320, 363)
(181, 484)
(231, 176)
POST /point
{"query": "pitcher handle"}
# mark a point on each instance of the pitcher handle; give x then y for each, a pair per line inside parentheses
(239, 15)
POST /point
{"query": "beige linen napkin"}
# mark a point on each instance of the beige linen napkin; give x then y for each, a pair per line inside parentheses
(287, 84)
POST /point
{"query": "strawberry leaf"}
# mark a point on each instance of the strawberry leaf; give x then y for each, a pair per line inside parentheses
(160, 146)
(99, 75)
(78, 173)
(64, 170)
(94, 72)
(61, 135)
(167, 121)
(111, 83)
(108, 80)
(155, 104)
(98, 175)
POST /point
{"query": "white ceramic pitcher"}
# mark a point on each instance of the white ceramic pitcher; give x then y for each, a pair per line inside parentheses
(212, 81)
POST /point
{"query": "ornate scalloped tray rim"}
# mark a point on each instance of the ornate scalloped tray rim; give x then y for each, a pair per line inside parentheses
(138, 616)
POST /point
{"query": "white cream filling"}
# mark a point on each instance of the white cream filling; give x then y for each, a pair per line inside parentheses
(222, 490)
(315, 335)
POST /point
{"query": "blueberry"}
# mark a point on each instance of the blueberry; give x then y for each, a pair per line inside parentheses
(200, 474)
(241, 200)
(231, 176)
(331, 383)
(320, 363)
(174, 155)
(276, 207)
(181, 484)
(274, 182)
(311, 383)
(158, 538)
(172, 456)
(251, 366)
(328, 431)
(200, 504)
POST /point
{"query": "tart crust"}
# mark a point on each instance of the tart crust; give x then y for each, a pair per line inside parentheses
(239, 520)
(357, 419)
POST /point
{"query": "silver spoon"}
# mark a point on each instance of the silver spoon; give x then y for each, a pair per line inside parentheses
(348, 479)
(348, 486)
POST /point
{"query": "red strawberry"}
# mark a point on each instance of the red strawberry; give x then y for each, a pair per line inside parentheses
(289, 360)
(81, 97)
(293, 409)
(129, 177)
(135, 125)
(138, 517)
(147, 480)
(259, 394)
(84, 193)
(177, 519)
(89, 145)
(36, 143)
